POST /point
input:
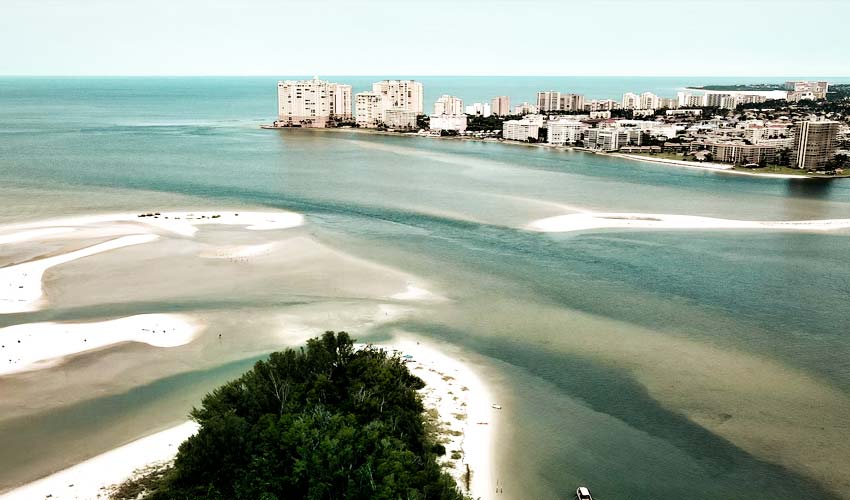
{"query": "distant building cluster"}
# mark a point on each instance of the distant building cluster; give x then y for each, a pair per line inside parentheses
(637, 123)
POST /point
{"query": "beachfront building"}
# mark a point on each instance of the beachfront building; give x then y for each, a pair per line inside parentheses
(448, 122)
(399, 119)
(526, 109)
(739, 152)
(549, 100)
(501, 105)
(815, 143)
(479, 109)
(565, 131)
(448, 105)
(609, 139)
(312, 103)
(522, 130)
(401, 94)
(368, 109)
(631, 101)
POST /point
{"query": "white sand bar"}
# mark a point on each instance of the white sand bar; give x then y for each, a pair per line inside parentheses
(181, 223)
(464, 405)
(33, 346)
(585, 221)
(93, 478)
(20, 285)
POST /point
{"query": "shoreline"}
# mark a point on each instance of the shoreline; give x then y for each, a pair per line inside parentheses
(460, 406)
(710, 167)
(454, 395)
(99, 475)
(21, 285)
(599, 220)
(36, 346)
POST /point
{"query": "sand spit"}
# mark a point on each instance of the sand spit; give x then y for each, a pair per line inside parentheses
(723, 167)
(585, 221)
(461, 406)
(455, 397)
(181, 223)
(95, 477)
(33, 346)
(20, 285)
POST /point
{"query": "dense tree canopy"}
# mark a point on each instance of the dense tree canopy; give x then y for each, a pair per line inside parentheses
(324, 422)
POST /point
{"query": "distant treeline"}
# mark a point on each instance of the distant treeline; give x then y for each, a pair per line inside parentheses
(754, 87)
(326, 422)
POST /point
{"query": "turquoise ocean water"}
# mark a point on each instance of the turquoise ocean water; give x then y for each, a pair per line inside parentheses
(647, 364)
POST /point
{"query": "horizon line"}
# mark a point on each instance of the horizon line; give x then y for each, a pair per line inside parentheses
(275, 75)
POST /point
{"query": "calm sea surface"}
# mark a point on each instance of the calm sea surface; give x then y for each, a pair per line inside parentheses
(647, 364)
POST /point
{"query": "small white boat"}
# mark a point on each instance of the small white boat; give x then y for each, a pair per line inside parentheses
(582, 493)
(495, 406)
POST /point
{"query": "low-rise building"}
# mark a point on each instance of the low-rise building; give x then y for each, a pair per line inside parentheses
(400, 119)
(521, 130)
(448, 122)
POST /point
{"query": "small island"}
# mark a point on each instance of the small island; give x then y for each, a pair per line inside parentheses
(332, 420)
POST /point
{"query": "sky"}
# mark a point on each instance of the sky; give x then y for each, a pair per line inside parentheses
(425, 37)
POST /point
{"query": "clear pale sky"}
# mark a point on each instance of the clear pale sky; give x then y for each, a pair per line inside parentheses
(425, 37)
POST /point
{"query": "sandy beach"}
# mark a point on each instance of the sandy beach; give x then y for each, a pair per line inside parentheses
(455, 398)
(33, 346)
(21, 284)
(589, 220)
(94, 478)
(461, 405)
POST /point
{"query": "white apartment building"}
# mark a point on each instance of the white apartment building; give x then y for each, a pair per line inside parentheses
(401, 94)
(448, 122)
(688, 100)
(311, 103)
(631, 101)
(521, 130)
(501, 105)
(479, 109)
(368, 109)
(565, 131)
(399, 119)
(648, 100)
(448, 105)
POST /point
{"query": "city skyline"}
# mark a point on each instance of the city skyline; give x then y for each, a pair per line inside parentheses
(659, 38)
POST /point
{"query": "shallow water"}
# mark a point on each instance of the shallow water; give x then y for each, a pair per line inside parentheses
(646, 364)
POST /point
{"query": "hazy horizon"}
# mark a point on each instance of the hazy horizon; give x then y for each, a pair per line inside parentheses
(434, 38)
